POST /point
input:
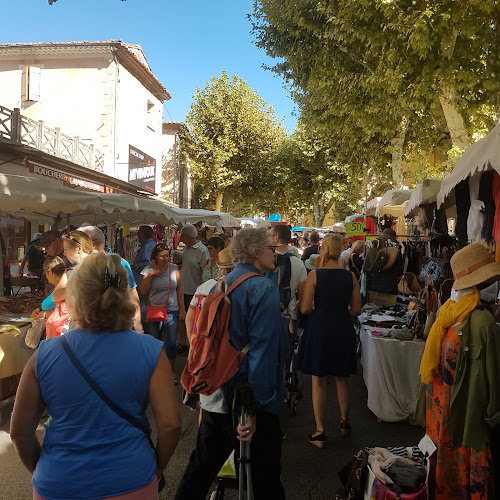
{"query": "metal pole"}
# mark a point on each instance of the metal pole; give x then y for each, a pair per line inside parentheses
(245, 466)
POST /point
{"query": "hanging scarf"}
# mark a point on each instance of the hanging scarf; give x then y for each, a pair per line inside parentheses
(449, 314)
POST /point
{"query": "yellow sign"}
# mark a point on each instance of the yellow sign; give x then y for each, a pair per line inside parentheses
(370, 238)
(355, 229)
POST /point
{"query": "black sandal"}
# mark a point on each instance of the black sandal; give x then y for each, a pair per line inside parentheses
(319, 440)
(345, 428)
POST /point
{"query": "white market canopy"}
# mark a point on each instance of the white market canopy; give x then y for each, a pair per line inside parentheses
(192, 216)
(48, 201)
(42, 200)
(426, 193)
(394, 200)
(371, 206)
(478, 157)
(253, 222)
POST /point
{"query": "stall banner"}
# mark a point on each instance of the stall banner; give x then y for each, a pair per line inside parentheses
(355, 229)
(141, 169)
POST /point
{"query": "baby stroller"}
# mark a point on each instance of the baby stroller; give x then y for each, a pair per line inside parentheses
(293, 385)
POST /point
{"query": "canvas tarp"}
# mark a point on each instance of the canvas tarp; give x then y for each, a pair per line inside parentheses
(478, 157)
(426, 193)
(192, 216)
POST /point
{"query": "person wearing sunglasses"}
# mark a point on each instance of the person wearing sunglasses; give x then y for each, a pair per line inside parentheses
(161, 284)
(77, 246)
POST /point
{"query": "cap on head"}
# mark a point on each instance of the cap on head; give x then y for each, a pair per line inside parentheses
(49, 236)
(36, 236)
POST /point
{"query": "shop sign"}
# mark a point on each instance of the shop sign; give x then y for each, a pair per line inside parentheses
(355, 228)
(66, 179)
(141, 169)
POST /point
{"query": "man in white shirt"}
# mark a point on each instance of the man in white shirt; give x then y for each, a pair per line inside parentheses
(194, 258)
(281, 236)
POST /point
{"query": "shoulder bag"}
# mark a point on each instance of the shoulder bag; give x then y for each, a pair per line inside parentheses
(155, 314)
(121, 413)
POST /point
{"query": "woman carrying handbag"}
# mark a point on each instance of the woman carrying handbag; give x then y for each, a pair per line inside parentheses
(162, 284)
(89, 450)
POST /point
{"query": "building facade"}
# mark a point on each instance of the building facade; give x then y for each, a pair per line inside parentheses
(175, 185)
(104, 93)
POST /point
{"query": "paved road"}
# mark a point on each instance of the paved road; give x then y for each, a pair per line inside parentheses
(309, 473)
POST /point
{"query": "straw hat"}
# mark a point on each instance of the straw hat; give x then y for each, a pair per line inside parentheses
(309, 263)
(473, 265)
(224, 261)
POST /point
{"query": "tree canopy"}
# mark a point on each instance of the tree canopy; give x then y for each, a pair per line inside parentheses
(382, 77)
(234, 137)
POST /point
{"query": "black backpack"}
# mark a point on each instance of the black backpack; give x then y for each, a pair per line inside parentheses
(280, 276)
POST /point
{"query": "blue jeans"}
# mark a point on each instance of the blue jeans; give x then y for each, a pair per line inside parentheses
(166, 331)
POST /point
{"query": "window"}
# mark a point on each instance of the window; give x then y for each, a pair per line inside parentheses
(30, 83)
(150, 106)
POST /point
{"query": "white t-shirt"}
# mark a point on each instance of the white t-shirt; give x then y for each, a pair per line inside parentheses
(345, 256)
(299, 275)
(203, 290)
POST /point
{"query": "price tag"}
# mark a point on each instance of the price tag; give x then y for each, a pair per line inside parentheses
(355, 229)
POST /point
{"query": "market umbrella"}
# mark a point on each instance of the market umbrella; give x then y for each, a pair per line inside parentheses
(478, 157)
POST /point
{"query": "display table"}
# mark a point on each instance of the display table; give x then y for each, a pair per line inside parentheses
(13, 358)
(391, 375)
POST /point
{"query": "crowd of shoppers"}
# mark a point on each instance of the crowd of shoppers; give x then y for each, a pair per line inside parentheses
(108, 300)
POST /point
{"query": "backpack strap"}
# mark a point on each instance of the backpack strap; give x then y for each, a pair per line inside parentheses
(240, 280)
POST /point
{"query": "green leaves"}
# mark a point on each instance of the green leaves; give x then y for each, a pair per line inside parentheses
(234, 136)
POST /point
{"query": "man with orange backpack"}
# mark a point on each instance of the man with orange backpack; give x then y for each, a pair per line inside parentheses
(255, 323)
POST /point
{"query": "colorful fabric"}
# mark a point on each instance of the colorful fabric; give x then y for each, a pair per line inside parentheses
(461, 472)
(209, 272)
(450, 313)
(382, 492)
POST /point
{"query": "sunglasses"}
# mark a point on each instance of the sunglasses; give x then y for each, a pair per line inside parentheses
(272, 248)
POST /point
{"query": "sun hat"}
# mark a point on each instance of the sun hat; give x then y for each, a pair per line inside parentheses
(473, 265)
(36, 236)
(224, 259)
(309, 263)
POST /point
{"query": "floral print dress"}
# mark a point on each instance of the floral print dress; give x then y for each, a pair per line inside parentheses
(455, 473)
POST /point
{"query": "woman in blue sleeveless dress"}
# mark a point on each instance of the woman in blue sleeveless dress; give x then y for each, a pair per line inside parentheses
(89, 450)
(328, 346)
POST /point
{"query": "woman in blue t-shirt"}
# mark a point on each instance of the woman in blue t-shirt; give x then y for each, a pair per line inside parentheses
(89, 450)
(162, 285)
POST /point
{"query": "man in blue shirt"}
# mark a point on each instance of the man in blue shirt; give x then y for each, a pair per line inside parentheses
(255, 321)
(98, 240)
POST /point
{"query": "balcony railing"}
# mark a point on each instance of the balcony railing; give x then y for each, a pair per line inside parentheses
(18, 129)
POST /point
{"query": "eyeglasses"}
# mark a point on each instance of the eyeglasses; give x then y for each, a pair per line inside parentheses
(272, 248)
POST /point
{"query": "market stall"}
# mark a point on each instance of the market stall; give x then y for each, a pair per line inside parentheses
(475, 184)
(390, 365)
(392, 204)
(15, 320)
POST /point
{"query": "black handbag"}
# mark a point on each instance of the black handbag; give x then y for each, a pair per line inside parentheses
(121, 413)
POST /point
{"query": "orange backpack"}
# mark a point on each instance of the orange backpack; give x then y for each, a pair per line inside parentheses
(213, 360)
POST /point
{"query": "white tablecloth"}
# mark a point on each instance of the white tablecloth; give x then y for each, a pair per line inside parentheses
(390, 372)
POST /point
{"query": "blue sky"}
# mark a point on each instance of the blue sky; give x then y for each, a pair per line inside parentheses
(186, 42)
